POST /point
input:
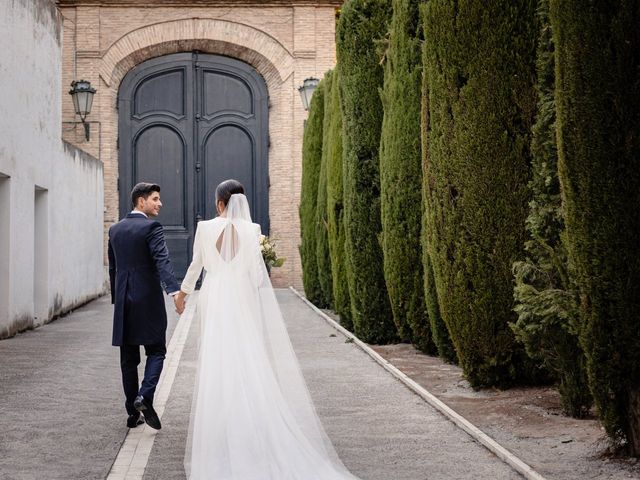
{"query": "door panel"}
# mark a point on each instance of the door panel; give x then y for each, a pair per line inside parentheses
(231, 132)
(159, 157)
(225, 93)
(228, 153)
(161, 93)
(187, 121)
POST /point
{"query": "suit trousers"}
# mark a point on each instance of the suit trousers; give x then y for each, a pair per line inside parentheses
(129, 361)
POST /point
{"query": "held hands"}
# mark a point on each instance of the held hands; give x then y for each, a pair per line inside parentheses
(179, 301)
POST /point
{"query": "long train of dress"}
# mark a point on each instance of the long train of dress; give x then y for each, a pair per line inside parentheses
(252, 416)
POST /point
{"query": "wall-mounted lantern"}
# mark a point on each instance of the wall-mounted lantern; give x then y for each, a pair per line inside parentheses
(82, 95)
(306, 91)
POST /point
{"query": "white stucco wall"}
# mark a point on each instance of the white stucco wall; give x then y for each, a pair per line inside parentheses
(51, 195)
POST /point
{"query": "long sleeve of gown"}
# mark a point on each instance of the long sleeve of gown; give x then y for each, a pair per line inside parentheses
(193, 272)
(258, 263)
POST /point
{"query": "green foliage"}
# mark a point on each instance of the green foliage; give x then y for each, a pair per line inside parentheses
(480, 68)
(362, 24)
(401, 176)
(598, 125)
(439, 331)
(311, 161)
(547, 303)
(323, 257)
(335, 205)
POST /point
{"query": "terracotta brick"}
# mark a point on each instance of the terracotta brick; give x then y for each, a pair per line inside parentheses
(285, 43)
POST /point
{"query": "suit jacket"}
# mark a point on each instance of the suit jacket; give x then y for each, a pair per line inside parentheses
(139, 267)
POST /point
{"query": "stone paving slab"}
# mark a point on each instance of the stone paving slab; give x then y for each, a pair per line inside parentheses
(61, 414)
(381, 430)
(62, 411)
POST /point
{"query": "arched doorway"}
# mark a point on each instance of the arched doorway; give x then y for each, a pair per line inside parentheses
(188, 121)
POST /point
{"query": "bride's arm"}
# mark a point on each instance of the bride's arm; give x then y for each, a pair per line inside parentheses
(193, 272)
(258, 267)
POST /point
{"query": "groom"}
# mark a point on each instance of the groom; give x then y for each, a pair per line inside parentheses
(139, 267)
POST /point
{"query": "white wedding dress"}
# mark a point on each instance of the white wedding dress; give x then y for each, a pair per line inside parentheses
(252, 417)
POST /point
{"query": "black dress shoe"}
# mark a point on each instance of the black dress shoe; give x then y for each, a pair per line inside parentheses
(134, 420)
(150, 416)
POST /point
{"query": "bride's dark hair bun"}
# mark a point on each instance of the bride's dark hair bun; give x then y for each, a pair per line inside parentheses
(226, 189)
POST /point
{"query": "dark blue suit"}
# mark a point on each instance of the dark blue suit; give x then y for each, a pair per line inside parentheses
(139, 267)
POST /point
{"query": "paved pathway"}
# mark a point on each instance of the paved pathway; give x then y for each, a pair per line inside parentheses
(61, 414)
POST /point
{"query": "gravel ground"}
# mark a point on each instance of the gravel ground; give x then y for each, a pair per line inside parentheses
(527, 421)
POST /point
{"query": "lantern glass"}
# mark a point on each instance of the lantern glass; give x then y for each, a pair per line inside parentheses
(76, 106)
(306, 91)
(82, 95)
(83, 101)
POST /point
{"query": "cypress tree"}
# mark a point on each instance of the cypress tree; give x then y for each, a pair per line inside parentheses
(547, 304)
(480, 65)
(401, 176)
(439, 331)
(597, 103)
(362, 23)
(311, 160)
(323, 258)
(335, 207)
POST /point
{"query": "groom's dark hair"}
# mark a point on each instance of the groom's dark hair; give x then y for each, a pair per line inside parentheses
(143, 189)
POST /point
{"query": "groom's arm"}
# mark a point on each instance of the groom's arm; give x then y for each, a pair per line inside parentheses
(160, 253)
(112, 271)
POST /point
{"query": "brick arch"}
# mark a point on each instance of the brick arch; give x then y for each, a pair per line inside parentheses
(268, 56)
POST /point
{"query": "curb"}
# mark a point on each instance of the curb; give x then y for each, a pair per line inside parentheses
(502, 453)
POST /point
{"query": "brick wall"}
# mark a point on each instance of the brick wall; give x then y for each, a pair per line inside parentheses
(286, 43)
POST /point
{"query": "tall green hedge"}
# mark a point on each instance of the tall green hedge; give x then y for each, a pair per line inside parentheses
(401, 176)
(439, 331)
(598, 105)
(335, 205)
(480, 65)
(362, 23)
(547, 303)
(323, 257)
(311, 161)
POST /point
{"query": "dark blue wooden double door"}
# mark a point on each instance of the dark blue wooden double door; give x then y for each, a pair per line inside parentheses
(187, 122)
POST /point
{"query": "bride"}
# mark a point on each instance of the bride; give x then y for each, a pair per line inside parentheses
(252, 416)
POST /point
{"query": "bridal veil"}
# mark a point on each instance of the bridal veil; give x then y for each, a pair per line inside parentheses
(252, 416)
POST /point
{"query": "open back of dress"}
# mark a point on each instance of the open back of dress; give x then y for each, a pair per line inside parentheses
(228, 243)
